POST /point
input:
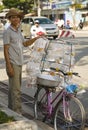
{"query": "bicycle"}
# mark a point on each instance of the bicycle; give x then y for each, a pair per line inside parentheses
(67, 113)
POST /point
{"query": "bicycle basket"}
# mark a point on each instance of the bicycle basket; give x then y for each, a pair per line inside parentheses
(48, 80)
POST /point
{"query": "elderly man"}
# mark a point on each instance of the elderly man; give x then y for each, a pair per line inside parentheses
(13, 52)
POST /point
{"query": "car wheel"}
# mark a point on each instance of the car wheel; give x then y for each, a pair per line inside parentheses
(54, 37)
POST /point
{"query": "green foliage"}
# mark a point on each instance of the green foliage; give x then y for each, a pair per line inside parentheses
(1, 7)
(10, 3)
(4, 118)
(25, 5)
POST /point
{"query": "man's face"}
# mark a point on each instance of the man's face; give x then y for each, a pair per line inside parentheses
(37, 24)
(15, 20)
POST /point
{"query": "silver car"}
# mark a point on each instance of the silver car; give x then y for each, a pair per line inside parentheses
(50, 28)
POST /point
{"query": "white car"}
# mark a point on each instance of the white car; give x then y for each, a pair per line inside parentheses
(50, 28)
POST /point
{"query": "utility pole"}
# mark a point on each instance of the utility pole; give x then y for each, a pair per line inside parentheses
(74, 14)
(39, 9)
(34, 4)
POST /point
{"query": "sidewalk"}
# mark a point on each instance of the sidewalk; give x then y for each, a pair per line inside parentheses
(85, 28)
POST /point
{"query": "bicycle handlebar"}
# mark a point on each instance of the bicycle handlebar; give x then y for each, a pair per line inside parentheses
(67, 73)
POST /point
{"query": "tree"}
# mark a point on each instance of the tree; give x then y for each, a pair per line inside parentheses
(1, 8)
(25, 5)
(76, 5)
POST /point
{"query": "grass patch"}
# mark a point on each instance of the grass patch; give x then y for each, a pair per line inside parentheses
(4, 118)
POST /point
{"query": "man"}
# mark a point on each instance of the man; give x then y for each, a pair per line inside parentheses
(13, 53)
(81, 24)
(36, 28)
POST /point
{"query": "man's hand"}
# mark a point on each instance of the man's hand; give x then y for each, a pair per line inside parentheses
(10, 70)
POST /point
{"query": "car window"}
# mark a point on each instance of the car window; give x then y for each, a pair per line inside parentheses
(44, 21)
(26, 20)
(31, 20)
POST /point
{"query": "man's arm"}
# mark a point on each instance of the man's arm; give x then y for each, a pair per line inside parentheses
(10, 70)
(30, 41)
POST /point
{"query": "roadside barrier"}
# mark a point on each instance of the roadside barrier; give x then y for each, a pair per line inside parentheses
(66, 34)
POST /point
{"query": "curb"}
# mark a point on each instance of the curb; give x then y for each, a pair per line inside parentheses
(21, 122)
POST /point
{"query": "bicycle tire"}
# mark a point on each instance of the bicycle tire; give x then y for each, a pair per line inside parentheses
(40, 104)
(77, 113)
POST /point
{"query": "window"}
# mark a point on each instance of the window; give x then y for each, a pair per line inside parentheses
(26, 20)
(44, 21)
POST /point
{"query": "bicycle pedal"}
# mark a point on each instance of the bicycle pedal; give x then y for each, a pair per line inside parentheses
(68, 119)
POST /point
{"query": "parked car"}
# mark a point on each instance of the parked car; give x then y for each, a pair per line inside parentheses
(50, 28)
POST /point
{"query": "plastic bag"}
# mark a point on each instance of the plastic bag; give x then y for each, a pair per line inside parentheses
(32, 70)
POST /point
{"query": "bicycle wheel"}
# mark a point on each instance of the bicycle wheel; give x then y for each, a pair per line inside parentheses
(40, 104)
(76, 120)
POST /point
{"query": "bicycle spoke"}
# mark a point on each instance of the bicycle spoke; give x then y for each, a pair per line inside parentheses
(40, 104)
(77, 116)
